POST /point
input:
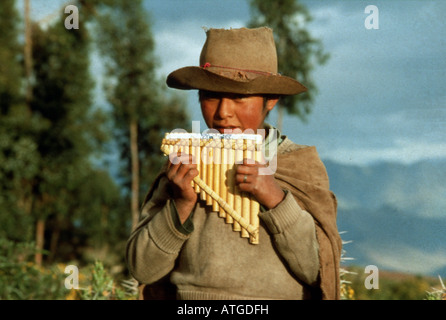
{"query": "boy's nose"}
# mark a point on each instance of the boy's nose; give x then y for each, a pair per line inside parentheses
(225, 108)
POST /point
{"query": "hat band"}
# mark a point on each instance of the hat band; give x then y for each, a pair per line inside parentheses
(263, 73)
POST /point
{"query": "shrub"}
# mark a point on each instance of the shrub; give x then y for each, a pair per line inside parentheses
(22, 279)
(101, 286)
(437, 294)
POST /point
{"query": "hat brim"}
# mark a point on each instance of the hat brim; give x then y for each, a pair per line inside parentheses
(188, 78)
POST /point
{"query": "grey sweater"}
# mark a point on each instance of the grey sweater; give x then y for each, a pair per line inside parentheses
(207, 260)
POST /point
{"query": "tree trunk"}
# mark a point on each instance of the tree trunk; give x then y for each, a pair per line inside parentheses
(55, 235)
(135, 172)
(40, 238)
(28, 53)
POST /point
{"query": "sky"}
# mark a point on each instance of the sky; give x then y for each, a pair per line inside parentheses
(381, 94)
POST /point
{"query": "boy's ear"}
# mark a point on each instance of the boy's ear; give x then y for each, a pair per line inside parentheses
(271, 102)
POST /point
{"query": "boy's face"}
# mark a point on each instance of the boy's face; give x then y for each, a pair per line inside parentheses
(229, 112)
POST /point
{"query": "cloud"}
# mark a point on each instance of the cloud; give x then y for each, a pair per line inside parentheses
(406, 259)
(210, 13)
(177, 50)
(405, 151)
(180, 46)
(381, 94)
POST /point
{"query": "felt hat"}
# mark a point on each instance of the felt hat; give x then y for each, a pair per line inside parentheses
(240, 61)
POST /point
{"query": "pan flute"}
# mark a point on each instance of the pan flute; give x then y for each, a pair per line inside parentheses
(216, 156)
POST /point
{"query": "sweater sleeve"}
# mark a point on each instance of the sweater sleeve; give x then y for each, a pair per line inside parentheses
(155, 243)
(294, 234)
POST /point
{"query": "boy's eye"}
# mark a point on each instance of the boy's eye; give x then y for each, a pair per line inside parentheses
(209, 95)
(239, 97)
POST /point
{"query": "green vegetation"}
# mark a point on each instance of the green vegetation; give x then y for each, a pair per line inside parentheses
(392, 286)
(22, 279)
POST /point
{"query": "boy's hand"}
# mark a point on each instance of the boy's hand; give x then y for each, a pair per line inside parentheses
(180, 172)
(263, 187)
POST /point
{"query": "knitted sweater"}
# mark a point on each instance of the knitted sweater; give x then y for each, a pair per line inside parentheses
(207, 260)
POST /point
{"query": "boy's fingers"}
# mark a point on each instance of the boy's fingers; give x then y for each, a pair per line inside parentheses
(246, 169)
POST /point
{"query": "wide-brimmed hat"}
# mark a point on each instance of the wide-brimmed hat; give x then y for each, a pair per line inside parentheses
(240, 61)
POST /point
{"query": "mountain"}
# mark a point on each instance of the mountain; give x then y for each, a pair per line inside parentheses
(393, 214)
(418, 188)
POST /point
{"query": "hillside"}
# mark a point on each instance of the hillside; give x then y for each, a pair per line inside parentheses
(393, 286)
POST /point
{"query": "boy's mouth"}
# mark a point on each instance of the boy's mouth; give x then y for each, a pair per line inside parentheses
(228, 129)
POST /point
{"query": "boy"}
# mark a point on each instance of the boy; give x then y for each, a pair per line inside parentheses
(180, 242)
